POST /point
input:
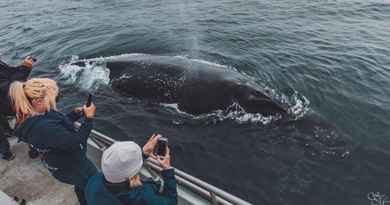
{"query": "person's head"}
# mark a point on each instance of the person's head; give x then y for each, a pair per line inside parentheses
(122, 162)
(32, 97)
(52, 91)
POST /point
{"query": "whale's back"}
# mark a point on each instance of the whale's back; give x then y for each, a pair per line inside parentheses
(146, 79)
(195, 86)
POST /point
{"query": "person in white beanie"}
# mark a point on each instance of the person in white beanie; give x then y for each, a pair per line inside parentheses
(120, 184)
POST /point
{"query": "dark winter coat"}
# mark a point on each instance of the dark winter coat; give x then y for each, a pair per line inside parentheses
(54, 135)
(100, 192)
(8, 75)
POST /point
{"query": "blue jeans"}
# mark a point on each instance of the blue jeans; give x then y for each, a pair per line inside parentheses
(79, 178)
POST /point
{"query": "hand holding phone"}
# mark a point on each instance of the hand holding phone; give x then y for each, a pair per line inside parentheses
(89, 108)
(165, 161)
(28, 62)
(89, 112)
(149, 147)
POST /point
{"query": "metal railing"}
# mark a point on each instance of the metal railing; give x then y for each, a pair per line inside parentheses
(207, 191)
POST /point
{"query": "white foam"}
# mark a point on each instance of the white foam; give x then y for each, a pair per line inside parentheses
(300, 105)
(234, 112)
(88, 77)
(238, 113)
(175, 107)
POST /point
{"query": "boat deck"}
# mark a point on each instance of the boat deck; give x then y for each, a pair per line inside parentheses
(28, 179)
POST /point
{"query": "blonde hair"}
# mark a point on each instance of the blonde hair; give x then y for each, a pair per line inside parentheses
(23, 93)
(52, 91)
(135, 181)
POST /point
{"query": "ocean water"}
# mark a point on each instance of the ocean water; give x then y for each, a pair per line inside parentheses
(329, 60)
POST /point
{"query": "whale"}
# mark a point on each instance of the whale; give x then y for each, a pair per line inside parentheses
(196, 86)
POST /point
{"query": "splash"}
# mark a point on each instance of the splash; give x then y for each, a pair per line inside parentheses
(89, 77)
(300, 105)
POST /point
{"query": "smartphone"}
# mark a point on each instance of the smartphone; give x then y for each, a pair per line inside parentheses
(89, 100)
(161, 147)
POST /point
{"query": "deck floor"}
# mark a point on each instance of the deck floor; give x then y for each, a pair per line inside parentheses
(27, 179)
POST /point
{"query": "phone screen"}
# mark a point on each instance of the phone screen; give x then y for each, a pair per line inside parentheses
(89, 100)
(161, 147)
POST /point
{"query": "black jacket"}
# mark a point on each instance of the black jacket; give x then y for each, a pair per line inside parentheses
(9, 74)
(54, 135)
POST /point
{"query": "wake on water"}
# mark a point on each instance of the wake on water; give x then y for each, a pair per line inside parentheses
(95, 74)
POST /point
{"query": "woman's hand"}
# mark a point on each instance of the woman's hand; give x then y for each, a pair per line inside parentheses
(150, 145)
(28, 62)
(90, 111)
(165, 161)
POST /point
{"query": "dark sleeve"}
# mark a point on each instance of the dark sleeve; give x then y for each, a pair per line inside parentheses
(85, 130)
(21, 73)
(61, 137)
(170, 189)
(169, 194)
(11, 74)
(74, 116)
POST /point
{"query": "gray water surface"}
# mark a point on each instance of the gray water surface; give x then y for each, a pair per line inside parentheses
(334, 53)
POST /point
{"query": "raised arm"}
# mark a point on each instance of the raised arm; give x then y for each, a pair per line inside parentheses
(10, 74)
(168, 175)
(86, 127)
(169, 194)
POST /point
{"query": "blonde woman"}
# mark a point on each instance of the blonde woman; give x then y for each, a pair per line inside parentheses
(52, 133)
(52, 94)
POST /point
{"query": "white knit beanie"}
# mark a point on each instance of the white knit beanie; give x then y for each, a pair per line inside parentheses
(121, 161)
